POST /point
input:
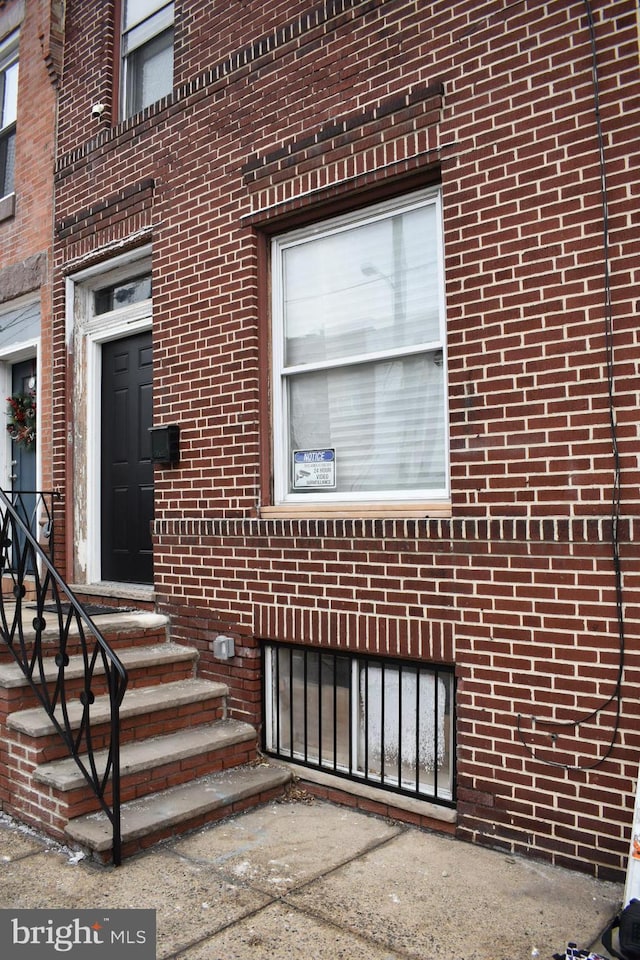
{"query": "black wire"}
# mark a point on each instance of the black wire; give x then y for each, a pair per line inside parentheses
(616, 492)
(18, 318)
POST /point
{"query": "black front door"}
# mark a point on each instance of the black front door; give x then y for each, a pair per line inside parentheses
(126, 469)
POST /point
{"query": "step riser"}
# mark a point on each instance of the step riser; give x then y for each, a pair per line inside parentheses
(76, 803)
(14, 699)
(170, 721)
(131, 848)
(116, 639)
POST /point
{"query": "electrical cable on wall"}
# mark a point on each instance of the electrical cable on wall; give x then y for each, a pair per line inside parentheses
(616, 695)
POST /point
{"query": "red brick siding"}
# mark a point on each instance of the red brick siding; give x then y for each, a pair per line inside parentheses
(26, 237)
(284, 111)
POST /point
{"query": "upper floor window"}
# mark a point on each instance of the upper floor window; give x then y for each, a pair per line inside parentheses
(359, 386)
(8, 112)
(147, 53)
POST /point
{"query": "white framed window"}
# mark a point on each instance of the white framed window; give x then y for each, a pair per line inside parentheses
(8, 112)
(359, 357)
(147, 53)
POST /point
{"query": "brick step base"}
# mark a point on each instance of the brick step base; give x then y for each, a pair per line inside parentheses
(179, 809)
(125, 629)
(145, 712)
(183, 762)
(145, 665)
(148, 766)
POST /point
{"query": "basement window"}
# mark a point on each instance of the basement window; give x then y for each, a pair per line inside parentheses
(386, 723)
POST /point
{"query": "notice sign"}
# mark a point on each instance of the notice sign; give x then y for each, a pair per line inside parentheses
(314, 469)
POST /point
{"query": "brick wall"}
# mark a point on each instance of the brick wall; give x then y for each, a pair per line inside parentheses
(285, 112)
(26, 235)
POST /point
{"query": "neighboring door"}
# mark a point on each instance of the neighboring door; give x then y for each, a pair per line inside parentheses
(126, 467)
(23, 455)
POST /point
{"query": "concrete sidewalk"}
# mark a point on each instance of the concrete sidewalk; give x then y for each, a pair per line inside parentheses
(306, 880)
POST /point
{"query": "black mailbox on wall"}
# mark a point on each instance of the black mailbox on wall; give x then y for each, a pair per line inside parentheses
(165, 444)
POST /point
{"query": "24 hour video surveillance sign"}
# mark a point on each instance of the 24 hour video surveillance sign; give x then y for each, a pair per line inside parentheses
(314, 469)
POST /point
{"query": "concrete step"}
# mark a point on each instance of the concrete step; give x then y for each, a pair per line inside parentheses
(133, 658)
(120, 621)
(137, 701)
(146, 755)
(181, 808)
(121, 629)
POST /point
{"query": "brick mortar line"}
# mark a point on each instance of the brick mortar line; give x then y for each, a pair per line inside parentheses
(531, 530)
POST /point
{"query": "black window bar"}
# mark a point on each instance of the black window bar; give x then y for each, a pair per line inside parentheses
(50, 635)
(384, 722)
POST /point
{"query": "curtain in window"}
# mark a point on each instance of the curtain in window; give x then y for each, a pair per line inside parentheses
(365, 289)
(384, 419)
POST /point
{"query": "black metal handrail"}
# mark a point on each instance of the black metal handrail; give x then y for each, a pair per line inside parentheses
(44, 625)
(37, 508)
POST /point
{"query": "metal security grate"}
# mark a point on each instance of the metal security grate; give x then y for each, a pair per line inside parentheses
(387, 723)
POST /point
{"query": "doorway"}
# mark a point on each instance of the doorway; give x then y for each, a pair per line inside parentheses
(23, 444)
(23, 449)
(126, 469)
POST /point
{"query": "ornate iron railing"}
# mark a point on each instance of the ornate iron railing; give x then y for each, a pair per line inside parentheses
(50, 635)
(36, 508)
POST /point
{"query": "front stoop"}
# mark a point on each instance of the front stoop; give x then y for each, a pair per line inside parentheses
(183, 761)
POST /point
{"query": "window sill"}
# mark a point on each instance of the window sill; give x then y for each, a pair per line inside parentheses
(417, 807)
(7, 206)
(363, 511)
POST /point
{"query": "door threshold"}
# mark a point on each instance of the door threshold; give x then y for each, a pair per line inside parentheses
(121, 591)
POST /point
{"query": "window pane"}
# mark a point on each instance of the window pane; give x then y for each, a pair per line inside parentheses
(367, 288)
(150, 72)
(7, 163)
(383, 721)
(385, 421)
(281, 725)
(122, 294)
(137, 10)
(404, 737)
(9, 104)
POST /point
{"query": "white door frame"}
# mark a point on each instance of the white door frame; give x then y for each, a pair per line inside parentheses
(85, 334)
(11, 353)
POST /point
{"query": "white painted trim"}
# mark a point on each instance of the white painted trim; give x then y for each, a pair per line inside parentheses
(281, 375)
(85, 334)
(24, 351)
(122, 327)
